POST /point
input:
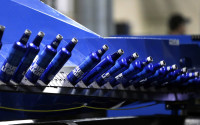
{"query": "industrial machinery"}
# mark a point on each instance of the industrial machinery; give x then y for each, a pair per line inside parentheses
(47, 90)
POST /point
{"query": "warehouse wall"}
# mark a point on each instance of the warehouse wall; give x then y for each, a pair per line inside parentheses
(150, 16)
(96, 15)
(143, 16)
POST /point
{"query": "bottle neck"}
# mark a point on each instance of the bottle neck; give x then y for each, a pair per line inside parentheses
(37, 40)
(169, 69)
(163, 70)
(70, 46)
(55, 43)
(115, 56)
(177, 72)
(191, 75)
(130, 59)
(100, 52)
(157, 66)
(1, 34)
(145, 62)
(186, 76)
(24, 38)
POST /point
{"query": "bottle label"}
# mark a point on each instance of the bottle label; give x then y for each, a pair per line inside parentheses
(35, 59)
(8, 69)
(77, 72)
(120, 78)
(106, 76)
(37, 70)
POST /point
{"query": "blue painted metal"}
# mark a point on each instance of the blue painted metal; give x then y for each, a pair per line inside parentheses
(18, 15)
(152, 110)
(186, 46)
(180, 39)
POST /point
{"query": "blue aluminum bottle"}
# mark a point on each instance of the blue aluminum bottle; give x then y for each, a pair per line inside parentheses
(90, 62)
(41, 62)
(184, 78)
(2, 28)
(58, 61)
(148, 71)
(16, 54)
(192, 82)
(173, 75)
(31, 52)
(161, 73)
(120, 66)
(102, 67)
(133, 69)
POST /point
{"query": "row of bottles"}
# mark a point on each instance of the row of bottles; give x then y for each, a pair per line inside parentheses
(24, 62)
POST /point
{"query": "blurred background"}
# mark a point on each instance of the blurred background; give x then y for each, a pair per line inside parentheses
(131, 17)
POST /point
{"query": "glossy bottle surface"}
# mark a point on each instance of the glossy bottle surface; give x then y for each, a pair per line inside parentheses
(15, 55)
(173, 75)
(31, 52)
(160, 74)
(133, 69)
(185, 77)
(58, 61)
(41, 61)
(120, 66)
(2, 28)
(102, 67)
(146, 72)
(90, 62)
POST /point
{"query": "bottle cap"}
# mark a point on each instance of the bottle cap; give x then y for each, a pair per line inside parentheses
(184, 70)
(120, 52)
(59, 37)
(41, 34)
(162, 63)
(149, 59)
(38, 38)
(168, 68)
(174, 67)
(101, 51)
(105, 47)
(135, 55)
(27, 32)
(196, 74)
(74, 40)
(25, 37)
(2, 28)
